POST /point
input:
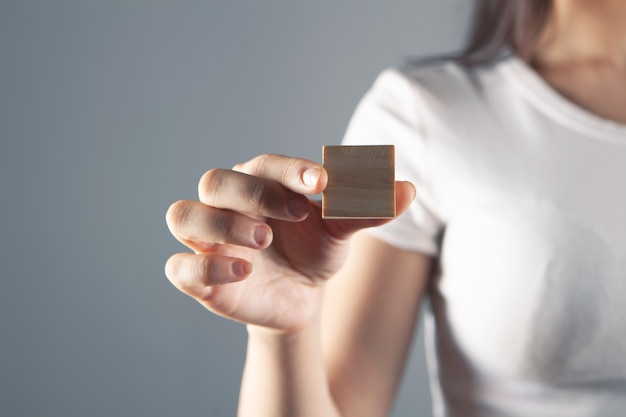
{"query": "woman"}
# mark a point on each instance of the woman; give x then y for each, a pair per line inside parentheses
(517, 151)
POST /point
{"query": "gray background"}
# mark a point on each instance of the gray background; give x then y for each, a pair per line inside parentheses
(110, 111)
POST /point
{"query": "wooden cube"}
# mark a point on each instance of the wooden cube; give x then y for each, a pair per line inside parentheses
(361, 182)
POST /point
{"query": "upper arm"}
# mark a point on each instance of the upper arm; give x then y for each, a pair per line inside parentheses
(368, 320)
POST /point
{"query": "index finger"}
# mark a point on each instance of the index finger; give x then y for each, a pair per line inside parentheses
(299, 175)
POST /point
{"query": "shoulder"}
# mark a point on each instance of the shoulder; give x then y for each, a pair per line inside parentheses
(419, 100)
(443, 81)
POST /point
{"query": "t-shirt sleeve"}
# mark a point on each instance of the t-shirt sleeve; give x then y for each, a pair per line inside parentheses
(389, 114)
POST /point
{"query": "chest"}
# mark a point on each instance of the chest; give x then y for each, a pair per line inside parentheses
(534, 250)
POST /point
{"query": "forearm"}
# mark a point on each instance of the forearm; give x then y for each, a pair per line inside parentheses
(285, 375)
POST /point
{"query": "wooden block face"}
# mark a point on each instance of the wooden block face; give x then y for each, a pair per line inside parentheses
(361, 182)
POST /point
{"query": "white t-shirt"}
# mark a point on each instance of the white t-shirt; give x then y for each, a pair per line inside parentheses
(521, 195)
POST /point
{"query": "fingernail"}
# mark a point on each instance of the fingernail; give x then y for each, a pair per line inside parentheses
(260, 235)
(298, 207)
(311, 176)
(241, 268)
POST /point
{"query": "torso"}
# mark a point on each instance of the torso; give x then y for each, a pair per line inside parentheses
(521, 194)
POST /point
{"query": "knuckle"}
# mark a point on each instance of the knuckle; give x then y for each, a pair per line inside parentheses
(211, 181)
(189, 274)
(292, 167)
(206, 269)
(224, 225)
(257, 196)
(219, 225)
(259, 163)
(178, 214)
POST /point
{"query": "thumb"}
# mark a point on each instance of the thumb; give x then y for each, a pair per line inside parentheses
(343, 228)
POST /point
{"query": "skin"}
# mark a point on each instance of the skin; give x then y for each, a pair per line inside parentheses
(582, 55)
(329, 328)
(276, 286)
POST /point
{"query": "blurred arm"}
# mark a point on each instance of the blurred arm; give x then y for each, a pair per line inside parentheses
(349, 362)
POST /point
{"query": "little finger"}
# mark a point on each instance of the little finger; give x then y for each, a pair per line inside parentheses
(193, 274)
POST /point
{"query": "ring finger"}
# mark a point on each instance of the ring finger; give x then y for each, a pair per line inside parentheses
(199, 227)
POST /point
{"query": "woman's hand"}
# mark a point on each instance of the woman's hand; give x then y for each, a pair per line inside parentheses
(262, 250)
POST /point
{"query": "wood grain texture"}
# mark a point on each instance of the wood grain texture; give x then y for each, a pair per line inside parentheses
(361, 182)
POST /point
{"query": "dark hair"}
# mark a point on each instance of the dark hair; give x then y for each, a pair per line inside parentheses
(504, 25)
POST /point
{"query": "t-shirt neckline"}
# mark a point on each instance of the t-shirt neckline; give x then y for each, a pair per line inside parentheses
(549, 101)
